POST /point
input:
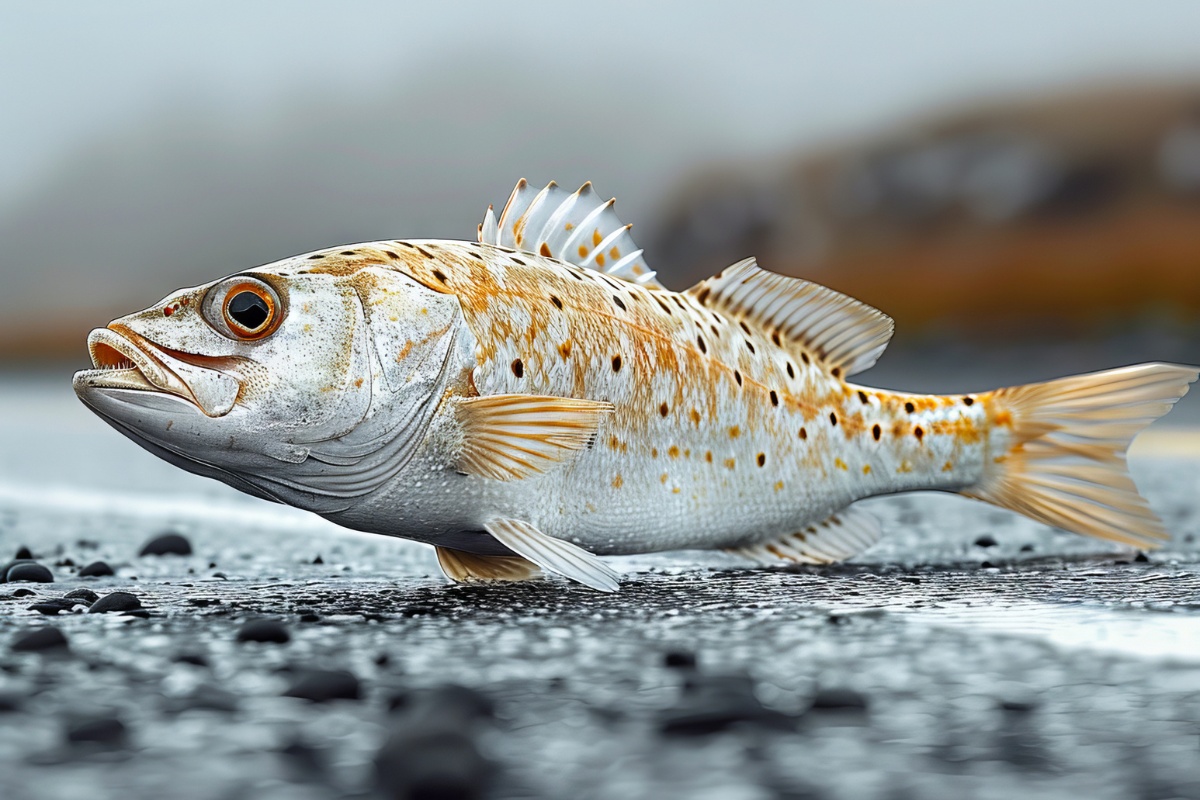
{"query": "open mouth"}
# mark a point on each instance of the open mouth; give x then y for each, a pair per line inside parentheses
(124, 360)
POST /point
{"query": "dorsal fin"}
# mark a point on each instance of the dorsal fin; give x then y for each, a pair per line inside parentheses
(577, 228)
(837, 329)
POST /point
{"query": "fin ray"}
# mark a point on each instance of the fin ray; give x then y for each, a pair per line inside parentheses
(462, 567)
(839, 330)
(838, 538)
(554, 555)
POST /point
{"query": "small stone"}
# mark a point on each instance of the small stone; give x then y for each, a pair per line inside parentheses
(195, 659)
(264, 630)
(39, 640)
(96, 569)
(30, 572)
(1141, 558)
(64, 562)
(985, 541)
(85, 595)
(23, 592)
(428, 759)
(23, 554)
(1026, 548)
(117, 602)
(168, 544)
(679, 659)
(321, 686)
(711, 704)
(310, 618)
(103, 730)
(318, 560)
(838, 700)
(55, 606)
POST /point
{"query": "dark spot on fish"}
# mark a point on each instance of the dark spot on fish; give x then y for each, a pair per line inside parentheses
(862, 396)
(909, 407)
(678, 302)
(919, 432)
(349, 253)
(557, 303)
(804, 358)
(803, 433)
(518, 261)
(762, 459)
(423, 251)
(545, 250)
(663, 409)
(441, 276)
(791, 371)
(700, 341)
(876, 432)
(749, 346)
(391, 255)
(616, 363)
(775, 338)
(833, 418)
(316, 257)
(836, 372)
(774, 398)
(702, 296)
(518, 368)
(968, 401)
(744, 326)
(737, 376)
(617, 300)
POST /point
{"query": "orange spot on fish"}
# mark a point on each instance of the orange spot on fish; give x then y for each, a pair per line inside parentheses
(596, 237)
(947, 467)
(837, 462)
(904, 467)
(673, 451)
(614, 253)
(708, 456)
(618, 481)
(663, 479)
(600, 259)
(654, 452)
(731, 463)
(735, 432)
(583, 251)
(866, 469)
(168, 311)
(695, 416)
(778, 486)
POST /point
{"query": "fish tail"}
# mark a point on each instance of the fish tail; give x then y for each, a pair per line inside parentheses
(1061, 450)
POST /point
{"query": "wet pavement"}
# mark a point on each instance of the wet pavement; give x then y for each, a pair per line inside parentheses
(969, 654)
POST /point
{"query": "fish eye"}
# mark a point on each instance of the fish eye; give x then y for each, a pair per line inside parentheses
(244, 308)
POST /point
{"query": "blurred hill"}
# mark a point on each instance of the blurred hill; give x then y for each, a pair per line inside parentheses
(1074, 212)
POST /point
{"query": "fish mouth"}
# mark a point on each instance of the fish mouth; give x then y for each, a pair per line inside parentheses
(121, 359)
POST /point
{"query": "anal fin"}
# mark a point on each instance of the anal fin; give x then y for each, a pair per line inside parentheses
(461, 566)
(838, 538)
(554, 555)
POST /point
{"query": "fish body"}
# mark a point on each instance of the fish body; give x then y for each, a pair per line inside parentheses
(536, 399)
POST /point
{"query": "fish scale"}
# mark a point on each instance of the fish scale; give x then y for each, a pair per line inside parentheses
(537, 399)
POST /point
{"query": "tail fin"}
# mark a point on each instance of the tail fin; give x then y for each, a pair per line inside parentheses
(1065, 463)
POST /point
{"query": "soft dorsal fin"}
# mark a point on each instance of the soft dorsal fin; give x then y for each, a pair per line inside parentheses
(577, 228)
(843, 535)
(837, 329)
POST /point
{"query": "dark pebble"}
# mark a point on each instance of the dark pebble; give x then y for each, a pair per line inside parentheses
(23, 592)
(168, 544)
(1026, 548)
(838, 700)
(195, 659)
(39, 640)
(29, 572)
(104, 730)
(64, 562)
(985, 541)
(422, 761)
(1141, 557)
(264, 630)
(96, 569)
(318, 560)
(711, 704)
(10, 701)
(310, 618)
(55, 606)
(115, 602)
(23, 554)
(321, 686)
(204, 697)
(680, 659)
(87, 596)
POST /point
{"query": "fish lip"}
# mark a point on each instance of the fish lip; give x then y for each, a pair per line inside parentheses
(146, 372)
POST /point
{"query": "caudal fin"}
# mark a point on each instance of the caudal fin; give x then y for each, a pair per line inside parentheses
(1065, 461)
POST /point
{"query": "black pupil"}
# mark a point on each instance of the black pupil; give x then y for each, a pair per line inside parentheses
(249, 310)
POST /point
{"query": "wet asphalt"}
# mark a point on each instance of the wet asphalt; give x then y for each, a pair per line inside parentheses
(193, 643)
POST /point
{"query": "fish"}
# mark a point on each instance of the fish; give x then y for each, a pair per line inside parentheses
(535, 400)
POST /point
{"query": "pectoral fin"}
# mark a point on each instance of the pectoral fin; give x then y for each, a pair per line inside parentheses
(509, 436)
(461, 566)
(844, 535)
(554, 555)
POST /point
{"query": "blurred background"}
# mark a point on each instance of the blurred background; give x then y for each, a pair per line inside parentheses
(1017, 183)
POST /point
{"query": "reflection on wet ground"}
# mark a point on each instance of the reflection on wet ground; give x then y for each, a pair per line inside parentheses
(969, 654)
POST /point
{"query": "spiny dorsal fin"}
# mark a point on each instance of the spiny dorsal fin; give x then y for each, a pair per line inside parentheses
(462, 566)
(577, 228)
(508, 436)
(554, 555)
(844, 535)
(839, 330)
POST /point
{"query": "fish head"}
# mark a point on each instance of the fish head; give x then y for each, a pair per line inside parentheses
(303, 385)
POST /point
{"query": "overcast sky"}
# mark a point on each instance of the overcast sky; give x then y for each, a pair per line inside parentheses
(763, 75)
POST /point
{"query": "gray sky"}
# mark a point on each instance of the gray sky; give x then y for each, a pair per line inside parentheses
(759, 75)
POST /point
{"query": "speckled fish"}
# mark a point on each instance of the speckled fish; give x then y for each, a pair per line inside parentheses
(537, 399)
